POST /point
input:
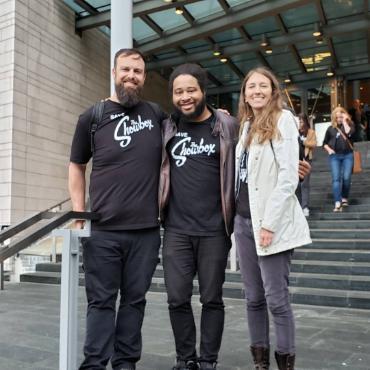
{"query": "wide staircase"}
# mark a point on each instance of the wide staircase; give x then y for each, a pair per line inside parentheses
(333, 271)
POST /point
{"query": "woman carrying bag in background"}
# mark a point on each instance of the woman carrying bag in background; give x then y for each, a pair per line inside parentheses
(339, 146)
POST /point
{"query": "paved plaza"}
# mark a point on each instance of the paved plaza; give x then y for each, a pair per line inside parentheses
(327, 338)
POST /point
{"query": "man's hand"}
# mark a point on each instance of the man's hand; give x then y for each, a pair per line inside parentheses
(224, 111)
(79, 224)
(265, 237)
(304, 168)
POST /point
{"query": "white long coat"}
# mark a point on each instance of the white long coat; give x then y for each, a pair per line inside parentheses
(272, 182)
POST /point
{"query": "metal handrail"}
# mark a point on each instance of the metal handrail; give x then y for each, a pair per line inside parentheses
(59, 218)
(15, 229)
(70, 266)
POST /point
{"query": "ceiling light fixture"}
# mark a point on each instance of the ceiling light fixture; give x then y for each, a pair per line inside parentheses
(223, 59)
(319, 40)
(268, 50)
(179, 10)
(287, 78)
(317, 30)
(264, 42)
(167, 1)
(216, 50)
(330, 72)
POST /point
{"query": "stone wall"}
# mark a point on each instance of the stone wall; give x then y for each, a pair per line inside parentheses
(7, 30)
(57, 74)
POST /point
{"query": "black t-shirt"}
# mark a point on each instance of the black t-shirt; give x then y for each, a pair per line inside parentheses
(126, 162)
(194, 206)
(341, 145)
(242, 200)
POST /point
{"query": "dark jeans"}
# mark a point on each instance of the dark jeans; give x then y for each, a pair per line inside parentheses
(266, 281)
(183, 257)
(341, 171)
(117, 261)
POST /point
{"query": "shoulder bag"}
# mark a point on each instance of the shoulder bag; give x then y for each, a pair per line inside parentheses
(357, 167)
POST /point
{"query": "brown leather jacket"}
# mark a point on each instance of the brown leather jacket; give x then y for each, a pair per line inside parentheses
(226, 127)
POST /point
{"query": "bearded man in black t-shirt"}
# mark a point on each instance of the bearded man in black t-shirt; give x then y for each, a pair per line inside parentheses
(122, 252)
(197, 197)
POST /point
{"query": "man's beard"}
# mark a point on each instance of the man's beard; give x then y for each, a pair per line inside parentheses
(199, 108)
(128, 97)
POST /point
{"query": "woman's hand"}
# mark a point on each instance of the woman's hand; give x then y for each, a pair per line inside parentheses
(346, 123)
(330, 151)
(265, 237)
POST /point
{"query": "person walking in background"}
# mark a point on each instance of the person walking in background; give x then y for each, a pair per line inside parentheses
(367, 115)
(358, 118)
(338, 144)
(307, 140)
(269, 221)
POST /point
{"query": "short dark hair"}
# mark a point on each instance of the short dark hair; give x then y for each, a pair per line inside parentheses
(191, 69)
(128, 52)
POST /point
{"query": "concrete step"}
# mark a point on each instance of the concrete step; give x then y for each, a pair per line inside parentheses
(339, 224)
(340, 234)
(46, 277)
(339, 244)
(359, 255)
(363, 216)
(324, 177)
(326, 207)
(354, 198)
(300, 295)
(323, 201)
(297, 279)
(325, 188)
(307, 288)
(330, 297)
(330, 281)
(53, 267)
(331, 267)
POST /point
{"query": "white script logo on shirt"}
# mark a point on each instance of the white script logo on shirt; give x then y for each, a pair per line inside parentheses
(185, 147)
(124, 131)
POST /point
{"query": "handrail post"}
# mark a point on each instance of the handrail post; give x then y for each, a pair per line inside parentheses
(68, 341)
(233, 261)
(2, 277)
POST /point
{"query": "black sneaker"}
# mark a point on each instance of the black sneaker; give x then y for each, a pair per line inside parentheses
(208, 365)
(186, 365)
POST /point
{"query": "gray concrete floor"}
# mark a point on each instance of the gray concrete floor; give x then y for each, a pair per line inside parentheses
(327, 338)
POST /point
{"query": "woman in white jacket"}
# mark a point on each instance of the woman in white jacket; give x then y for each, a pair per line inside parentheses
(269, 221)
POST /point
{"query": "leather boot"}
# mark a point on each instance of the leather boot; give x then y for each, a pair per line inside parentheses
(261, 357)
(285, 361)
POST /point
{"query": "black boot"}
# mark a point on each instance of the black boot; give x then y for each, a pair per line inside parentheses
(285, 361)
(186, 365)
(261, 357)
(207, 365)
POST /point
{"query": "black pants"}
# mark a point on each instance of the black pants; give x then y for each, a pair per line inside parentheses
(183, 257)
(117, 261)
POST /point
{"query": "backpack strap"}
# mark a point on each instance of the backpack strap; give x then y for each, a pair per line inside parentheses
(156, 109)
(96, 117)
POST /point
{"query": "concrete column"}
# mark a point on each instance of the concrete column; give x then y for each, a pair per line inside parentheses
(333, 93)
(304, 101)
(121, 28)
(356, 89)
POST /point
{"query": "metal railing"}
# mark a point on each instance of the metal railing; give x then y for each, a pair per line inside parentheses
(26, 232)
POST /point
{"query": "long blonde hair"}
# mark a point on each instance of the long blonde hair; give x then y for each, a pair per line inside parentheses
(264, 125)
(334, 113)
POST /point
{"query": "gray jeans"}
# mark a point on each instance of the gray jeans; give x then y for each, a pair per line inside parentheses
(266, 282)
